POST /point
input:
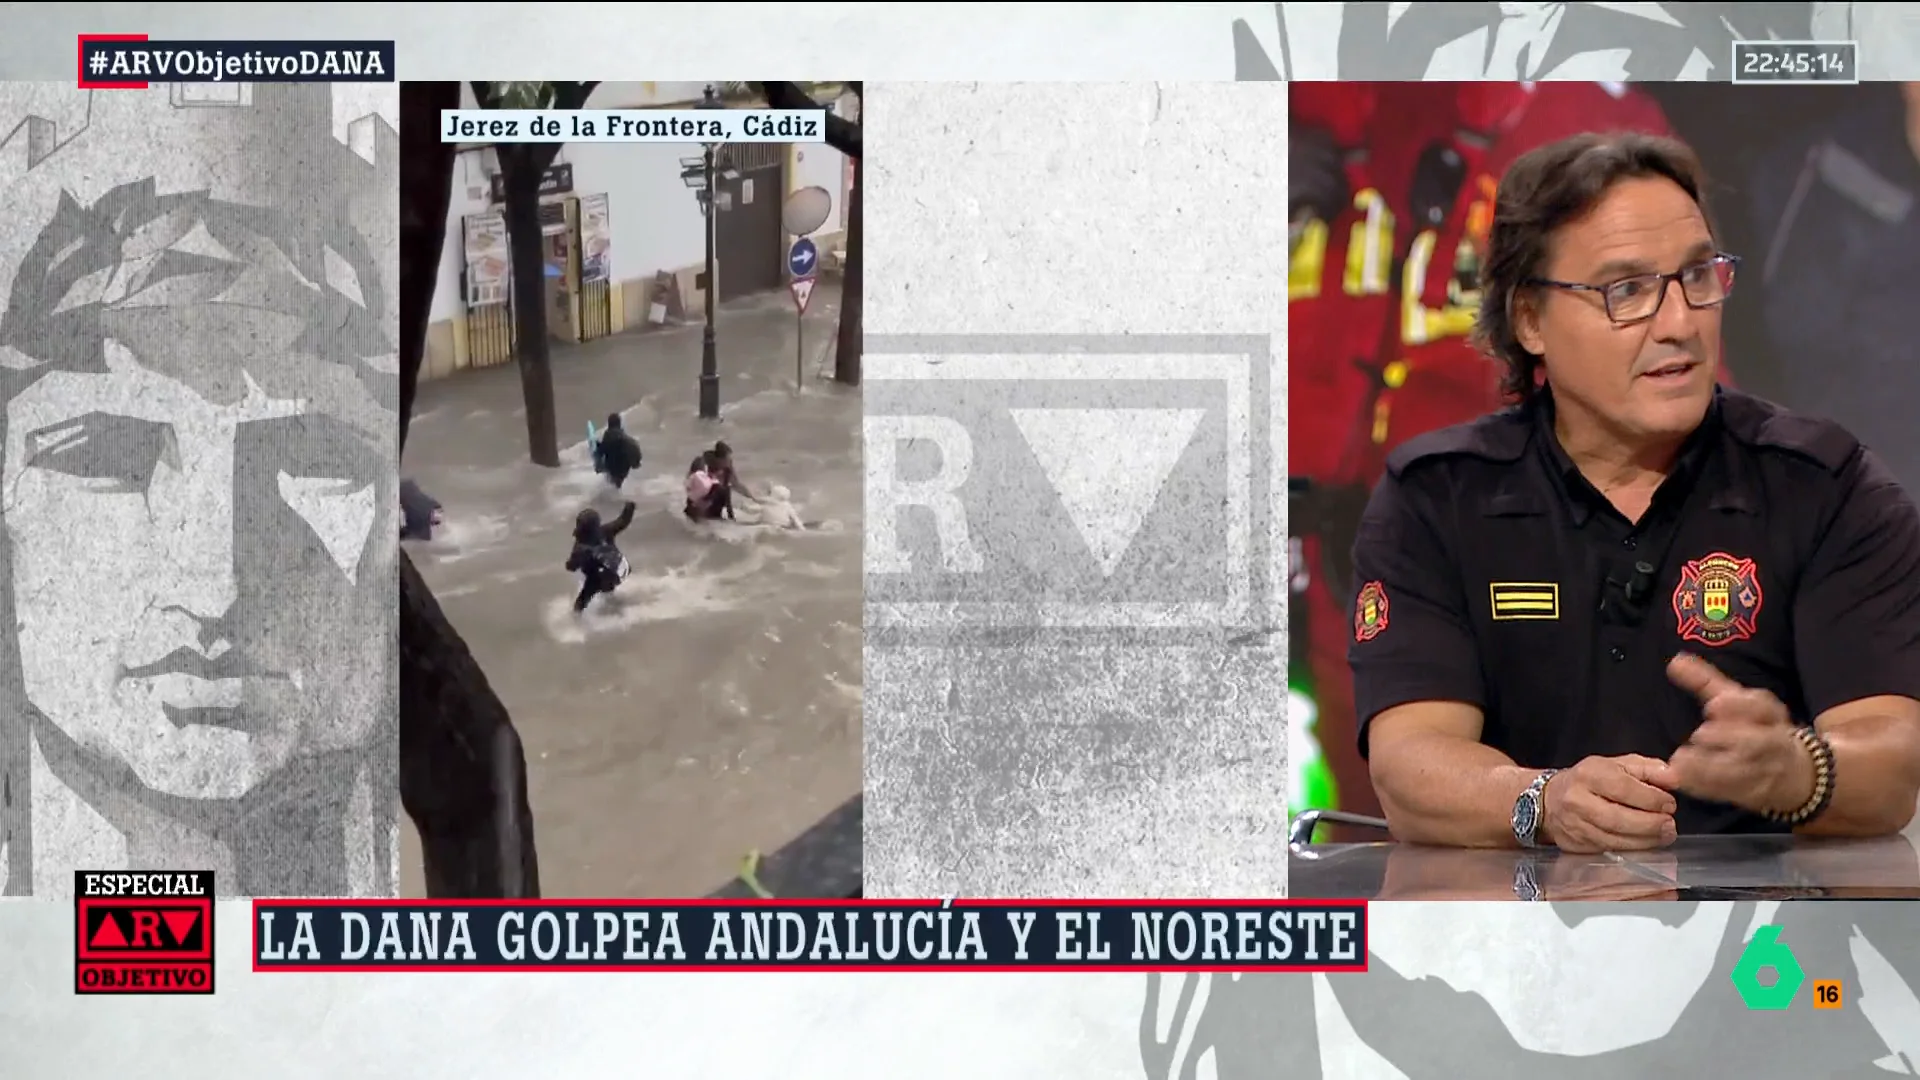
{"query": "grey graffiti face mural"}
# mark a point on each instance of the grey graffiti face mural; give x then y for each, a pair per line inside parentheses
(1622, 42)
(199, 385)
(1428, 1007)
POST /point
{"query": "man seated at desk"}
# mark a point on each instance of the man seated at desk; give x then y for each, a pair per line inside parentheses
(1635, 605)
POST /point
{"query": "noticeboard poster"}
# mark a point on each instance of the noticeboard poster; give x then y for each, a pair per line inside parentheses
(488, 265)
(596, 239)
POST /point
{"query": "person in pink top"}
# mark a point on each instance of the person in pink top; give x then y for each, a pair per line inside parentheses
(706, 495)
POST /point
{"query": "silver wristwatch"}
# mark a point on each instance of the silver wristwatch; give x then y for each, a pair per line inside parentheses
(1528, 809)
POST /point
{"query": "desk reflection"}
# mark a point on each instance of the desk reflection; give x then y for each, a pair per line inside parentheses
(1693, 868)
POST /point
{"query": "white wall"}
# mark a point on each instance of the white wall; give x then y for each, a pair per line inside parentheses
(622, 95)
(470, 171)
(656, 220)
(630, 176)
(820, 165)
(633, 95)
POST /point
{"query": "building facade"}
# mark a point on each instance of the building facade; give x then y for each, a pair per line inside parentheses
(623, 236)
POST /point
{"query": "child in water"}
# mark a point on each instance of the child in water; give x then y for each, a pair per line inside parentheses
(707, 494)
(595, 556)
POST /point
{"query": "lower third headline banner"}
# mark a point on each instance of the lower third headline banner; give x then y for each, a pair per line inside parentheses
(806, 935)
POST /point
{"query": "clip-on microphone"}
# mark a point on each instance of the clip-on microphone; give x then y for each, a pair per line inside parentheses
(1635, 591)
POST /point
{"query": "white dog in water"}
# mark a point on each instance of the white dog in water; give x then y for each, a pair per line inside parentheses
(774, 510)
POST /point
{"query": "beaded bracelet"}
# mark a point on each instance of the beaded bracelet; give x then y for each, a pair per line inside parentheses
(1821, 751)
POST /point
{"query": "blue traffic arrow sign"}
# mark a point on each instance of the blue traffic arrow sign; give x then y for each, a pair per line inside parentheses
(802, 258)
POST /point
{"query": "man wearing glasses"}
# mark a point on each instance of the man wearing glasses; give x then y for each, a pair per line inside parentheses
(1635, 605)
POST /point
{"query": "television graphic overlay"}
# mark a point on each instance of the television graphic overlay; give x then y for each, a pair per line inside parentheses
(1250, 936)
(143, 933)
(777, 640)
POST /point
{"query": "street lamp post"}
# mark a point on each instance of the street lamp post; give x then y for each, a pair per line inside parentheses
(709, 349)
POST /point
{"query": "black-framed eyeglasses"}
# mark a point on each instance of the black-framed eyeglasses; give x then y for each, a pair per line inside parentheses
(1705, 284)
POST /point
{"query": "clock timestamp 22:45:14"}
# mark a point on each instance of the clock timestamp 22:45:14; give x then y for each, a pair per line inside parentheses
(1796, 62)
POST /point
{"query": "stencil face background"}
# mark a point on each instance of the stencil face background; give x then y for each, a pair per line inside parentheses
(199, 289)
(1602, 42)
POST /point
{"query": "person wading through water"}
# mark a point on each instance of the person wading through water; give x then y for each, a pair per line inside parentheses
(615, 453)
(420, 512)
(727, 475)
(718, 484)
(595, 555)
(708, 498)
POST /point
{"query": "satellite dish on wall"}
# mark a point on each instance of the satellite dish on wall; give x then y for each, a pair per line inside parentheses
(806, 210)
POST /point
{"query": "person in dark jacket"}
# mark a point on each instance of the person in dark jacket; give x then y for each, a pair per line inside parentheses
(616, 453)
(419, 512)
(729, 476)
(595, 555)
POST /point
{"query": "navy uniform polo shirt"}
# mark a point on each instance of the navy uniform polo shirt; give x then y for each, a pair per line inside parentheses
(1492, 573)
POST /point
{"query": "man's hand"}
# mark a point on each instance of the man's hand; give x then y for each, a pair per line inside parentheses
(1610, 804)
(1743, 753)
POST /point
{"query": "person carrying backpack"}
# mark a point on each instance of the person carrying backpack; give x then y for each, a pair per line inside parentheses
(615, 453)
(595, 555)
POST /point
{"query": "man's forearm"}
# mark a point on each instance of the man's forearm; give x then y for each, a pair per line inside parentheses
(1454, 792)
(1876, 773)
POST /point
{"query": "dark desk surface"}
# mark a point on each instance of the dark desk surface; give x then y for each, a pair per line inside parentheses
(1694, 868)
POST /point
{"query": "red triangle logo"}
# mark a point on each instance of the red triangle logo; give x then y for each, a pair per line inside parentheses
(108, 936)
(180, 924)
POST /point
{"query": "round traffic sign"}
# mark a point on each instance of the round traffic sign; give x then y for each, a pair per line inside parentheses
(803, 258)
(806, 210)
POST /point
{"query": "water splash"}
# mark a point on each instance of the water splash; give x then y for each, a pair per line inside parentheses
(462, 536)
(654, 596)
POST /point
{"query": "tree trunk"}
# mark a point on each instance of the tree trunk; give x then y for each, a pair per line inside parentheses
(522, 167)
(846, 348)
(426, 189)
(463, 776)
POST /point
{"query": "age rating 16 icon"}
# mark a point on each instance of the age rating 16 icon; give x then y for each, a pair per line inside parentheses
(1766, 955)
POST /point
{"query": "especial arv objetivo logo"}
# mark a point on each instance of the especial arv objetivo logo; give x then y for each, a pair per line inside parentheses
(143, 933)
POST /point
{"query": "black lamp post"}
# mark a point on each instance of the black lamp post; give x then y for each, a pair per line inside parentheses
(709, 354)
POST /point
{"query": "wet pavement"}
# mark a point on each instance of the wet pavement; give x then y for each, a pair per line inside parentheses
(711, 706)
